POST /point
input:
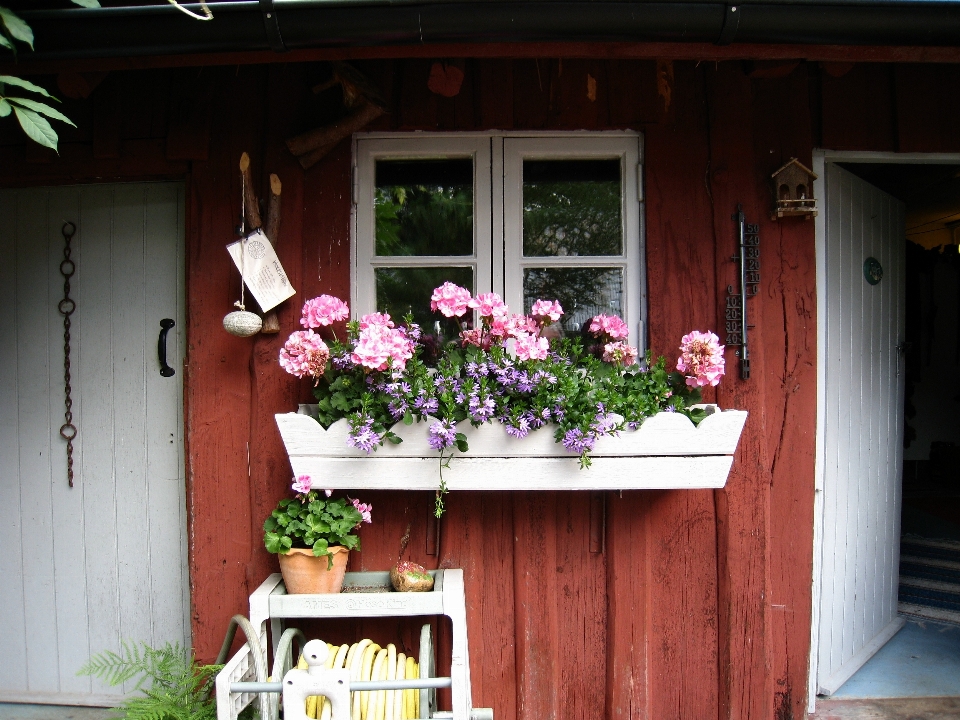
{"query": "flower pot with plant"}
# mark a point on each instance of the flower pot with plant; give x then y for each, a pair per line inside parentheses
(518, 404)
(312, 536)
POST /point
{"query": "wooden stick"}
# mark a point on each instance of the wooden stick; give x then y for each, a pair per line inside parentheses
(251, 204)
(332, 134)
(271, 325)
(314, 156)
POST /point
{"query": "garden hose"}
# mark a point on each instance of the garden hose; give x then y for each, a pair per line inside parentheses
(264, 700)
(365, 660)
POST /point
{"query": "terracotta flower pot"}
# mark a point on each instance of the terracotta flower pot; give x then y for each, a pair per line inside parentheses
(306, 574)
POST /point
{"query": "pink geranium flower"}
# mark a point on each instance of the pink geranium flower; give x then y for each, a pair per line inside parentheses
(531, 347)
(365, 510)
(451, 300)
(301, 484)
(610, 325)
(379, 344)
(305, 354)
(380, 319)
(547, 309)
(518, 325)
(619, 353)
(324, 310)
(489, 305)
(701, 358)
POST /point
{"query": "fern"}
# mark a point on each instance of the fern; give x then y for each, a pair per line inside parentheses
(174, 686)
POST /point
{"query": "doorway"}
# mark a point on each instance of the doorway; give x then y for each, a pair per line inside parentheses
(878, 211)
(84, 568)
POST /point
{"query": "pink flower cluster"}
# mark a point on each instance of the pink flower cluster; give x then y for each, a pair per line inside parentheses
(305, 354)
(619, 353)
(701, 358)
(324, 310)
(497, 324)
(609, 325)
(301, 484)
(380, 344)
(364, 509)
(450, 299)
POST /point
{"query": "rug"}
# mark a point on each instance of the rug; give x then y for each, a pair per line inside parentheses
(930, 579)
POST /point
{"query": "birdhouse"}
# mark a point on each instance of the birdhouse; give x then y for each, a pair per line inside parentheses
(793, 191)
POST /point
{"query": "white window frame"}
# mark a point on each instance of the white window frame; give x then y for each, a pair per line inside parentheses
(498, 170)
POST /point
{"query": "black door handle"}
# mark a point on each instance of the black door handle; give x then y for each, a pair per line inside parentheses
(165, 370)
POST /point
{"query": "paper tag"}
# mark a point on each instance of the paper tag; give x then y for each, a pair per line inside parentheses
(261, 270)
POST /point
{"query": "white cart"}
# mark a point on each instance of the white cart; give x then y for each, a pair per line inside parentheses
(237, 685)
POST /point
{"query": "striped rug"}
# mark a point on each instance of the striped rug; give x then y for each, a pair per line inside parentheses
(930, 579)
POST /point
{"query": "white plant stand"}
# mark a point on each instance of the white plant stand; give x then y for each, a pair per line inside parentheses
(667, 452)
(271, 604)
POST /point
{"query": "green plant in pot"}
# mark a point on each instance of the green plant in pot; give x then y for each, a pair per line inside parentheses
(312, 535)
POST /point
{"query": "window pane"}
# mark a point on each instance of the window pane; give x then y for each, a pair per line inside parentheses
(571, 207)
(402, 290)
(424, 207)
(582, 292)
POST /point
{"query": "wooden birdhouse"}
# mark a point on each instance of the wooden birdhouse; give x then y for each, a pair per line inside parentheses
(793, 191)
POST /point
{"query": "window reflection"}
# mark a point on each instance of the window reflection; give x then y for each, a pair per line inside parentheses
(582, 292)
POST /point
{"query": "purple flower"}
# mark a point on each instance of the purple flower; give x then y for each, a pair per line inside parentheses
(604, 423)
(424, 404)
(397, 408)
(518, 428)
(362, 435)
(577, 441)
(480, 410)
(443, 433)
(343, 362)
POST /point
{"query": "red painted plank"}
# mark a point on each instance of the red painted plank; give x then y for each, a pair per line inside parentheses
(858, 109)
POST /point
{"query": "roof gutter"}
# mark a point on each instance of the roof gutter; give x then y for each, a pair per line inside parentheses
(280, 25)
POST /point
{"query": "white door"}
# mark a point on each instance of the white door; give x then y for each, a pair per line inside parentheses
(862, 418)
(83, 568)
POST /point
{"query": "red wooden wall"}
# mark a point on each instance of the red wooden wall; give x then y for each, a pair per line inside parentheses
(698, 605)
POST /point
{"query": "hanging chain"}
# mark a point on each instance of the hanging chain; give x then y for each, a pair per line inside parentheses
(68, 431)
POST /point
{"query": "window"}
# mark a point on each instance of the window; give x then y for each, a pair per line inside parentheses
(545, 216)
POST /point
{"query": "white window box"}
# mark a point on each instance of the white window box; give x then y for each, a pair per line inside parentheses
(668, 451)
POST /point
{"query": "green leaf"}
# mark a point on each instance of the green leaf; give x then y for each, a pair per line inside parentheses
(5, 108)
(7, 44)
(41, 108)
(36, 127)
(17, 28)
(25, 84)
(86, 3)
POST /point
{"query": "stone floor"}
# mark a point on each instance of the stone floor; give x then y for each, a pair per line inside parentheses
(888, 709)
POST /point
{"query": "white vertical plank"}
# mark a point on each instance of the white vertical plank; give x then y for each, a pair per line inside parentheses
(36, 542)
(13, 628)
(164, 464)
(68, 538)
(100, 498)
(134, 553)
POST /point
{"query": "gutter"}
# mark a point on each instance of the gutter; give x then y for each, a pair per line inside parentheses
(281, 25)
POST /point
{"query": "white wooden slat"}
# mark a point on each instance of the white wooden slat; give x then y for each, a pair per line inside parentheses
(165, 478)
(97, 431)
(33, 319)
(12, 629)
(528, 473)
(664, 434)
(134, 553)
(69, 542)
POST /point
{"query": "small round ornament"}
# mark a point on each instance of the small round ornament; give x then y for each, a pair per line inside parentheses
(242, 323)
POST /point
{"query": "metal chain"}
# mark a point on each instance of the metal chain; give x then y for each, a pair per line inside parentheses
(68, 431)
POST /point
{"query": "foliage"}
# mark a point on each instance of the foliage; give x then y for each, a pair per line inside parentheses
(174, 686)
(583, 387)
(31, 113)
(311, 521)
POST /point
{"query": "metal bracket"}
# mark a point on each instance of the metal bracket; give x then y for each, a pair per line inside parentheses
(272, 26)
(731, 22)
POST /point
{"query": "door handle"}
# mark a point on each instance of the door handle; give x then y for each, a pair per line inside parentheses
(165, 370)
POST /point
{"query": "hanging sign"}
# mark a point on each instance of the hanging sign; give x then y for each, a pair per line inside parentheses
(262, 272)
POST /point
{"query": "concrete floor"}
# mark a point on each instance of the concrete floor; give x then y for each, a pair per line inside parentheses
(888, 709)
(15, 711)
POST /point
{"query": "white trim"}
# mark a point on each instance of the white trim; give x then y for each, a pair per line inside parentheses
(73, 699)
(820, 158)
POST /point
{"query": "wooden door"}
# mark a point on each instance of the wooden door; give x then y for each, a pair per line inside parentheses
(84, 567)
(863, 425)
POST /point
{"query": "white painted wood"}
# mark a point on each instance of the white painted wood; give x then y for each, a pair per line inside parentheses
(85, 567)
(860, 433)
(667, 451)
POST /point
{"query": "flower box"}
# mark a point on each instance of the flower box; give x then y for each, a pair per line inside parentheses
(667, 451)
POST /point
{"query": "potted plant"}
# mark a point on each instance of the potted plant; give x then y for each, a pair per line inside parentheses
(520, 405)
(312, 535)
